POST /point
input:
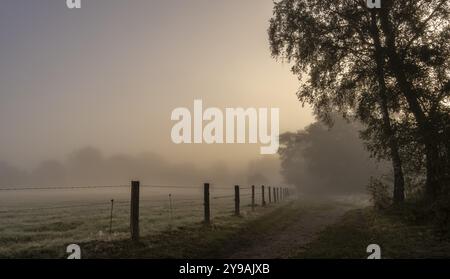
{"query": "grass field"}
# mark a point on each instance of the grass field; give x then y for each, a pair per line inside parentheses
(274, 231)
(300, 228)
(41, 224)
(226, 235)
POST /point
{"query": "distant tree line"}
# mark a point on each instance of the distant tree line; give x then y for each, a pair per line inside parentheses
(321, 160)
(90, 167)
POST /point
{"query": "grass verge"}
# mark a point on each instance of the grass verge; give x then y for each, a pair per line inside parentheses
(399, 235)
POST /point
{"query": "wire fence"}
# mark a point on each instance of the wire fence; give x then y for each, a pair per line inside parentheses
(48, 213)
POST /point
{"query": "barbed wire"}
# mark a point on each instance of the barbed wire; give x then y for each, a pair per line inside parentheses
(163, 202)
(230, 196)
(53, 207)
(117, 186)
(62, 187)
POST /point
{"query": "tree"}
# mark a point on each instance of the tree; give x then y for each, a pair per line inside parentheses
(388, 131)
(419, 58)
(348, 58)
(324, 160)
(336, 45)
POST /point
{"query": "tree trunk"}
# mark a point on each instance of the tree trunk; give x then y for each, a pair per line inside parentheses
(433, 170)
(428, 134)
(399, 181)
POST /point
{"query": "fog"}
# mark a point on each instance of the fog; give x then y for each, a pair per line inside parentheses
(89, 167)
(328, 160)
(317, 160)
(110, 74)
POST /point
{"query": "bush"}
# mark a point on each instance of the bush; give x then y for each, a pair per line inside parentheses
(379, 193)
(441, 210)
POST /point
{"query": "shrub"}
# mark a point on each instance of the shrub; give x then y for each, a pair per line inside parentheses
(379, 193)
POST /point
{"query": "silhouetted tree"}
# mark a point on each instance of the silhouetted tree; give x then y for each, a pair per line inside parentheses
(327, 160)
(417, 42)
(378, 66)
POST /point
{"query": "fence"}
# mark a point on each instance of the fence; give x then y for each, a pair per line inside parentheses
(207, 202)
(281, 193)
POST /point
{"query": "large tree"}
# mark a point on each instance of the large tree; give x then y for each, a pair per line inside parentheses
(417, 42)
(344, 53)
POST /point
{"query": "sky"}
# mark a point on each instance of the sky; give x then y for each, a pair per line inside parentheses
(108, 75)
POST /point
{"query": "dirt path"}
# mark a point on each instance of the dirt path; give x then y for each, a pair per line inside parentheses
(291, 231)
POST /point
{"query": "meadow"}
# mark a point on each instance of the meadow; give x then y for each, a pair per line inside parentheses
(40, 219)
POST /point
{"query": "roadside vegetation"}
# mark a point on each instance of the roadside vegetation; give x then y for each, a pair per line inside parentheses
(402, 233)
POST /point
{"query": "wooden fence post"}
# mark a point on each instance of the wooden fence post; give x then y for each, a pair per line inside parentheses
(236, 201)
(263, 202)
(207, 211)
(274, 195)
(278, 194)
(134, 211)
(253, 197)
(270, 195)
(111, 216)
(170, 207)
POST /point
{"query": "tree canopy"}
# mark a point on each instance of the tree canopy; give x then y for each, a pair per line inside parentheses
(388, 68)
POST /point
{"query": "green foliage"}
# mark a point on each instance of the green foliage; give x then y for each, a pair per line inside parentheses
(379, 194)
(332, 47)
(441, 210)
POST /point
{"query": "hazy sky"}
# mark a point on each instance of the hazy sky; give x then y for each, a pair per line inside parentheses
(109, 75)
